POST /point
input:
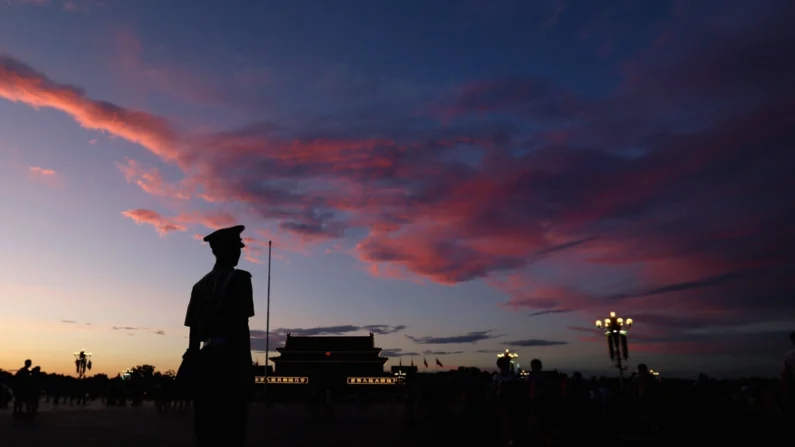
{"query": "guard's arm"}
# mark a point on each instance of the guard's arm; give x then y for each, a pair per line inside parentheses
(246, 294)
(190, 321)
(193, 343)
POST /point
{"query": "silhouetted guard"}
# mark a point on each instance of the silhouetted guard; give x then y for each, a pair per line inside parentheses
(373, 381)
(285, 379)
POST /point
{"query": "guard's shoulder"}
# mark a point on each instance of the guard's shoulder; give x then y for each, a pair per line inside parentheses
(243, 274)
(204, 279)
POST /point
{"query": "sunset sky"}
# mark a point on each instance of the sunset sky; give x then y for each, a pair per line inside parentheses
(456, 176)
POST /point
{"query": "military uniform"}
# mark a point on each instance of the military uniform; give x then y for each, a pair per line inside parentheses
(221, 304)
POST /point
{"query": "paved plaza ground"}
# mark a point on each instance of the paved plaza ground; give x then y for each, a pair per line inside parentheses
(280, 425)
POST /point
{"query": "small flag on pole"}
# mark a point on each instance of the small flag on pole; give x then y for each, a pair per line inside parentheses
(425, 362)
(439, 363)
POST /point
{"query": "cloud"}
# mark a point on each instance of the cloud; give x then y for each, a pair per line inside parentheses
(259, 340)
(549, 312)
(42, 171)
(162, 225)
(278, 336)
(46, 176)
(534, 342)
(159, 332)
(125, 328)
(21, 83)
(767, 344)
(662, 196)
(471, 337)
(77, 324)
(383, 329)
(339, 330)
(323, 330)
(397, 352)
(151, 180)
(440, 353)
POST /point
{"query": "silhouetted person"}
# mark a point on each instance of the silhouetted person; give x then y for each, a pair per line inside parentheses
(6, 394)
(645, 383)
(646, 392)
(576, 401)
(35, 389)
(22, 389)
(545, 401)
(220, 305)
(508, 391)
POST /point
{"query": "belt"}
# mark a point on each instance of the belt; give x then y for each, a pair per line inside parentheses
(214, 341)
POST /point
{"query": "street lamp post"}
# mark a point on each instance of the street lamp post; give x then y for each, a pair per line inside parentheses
(616, 334)
(510, 356)
(82, 363)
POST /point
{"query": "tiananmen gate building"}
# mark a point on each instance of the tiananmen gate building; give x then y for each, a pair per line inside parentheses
(329, 358)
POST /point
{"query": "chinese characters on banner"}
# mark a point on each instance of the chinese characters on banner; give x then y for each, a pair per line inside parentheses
(351, 380)
(372, 380)
(278, 379)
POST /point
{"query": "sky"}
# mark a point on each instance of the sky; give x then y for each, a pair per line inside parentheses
(458, 177)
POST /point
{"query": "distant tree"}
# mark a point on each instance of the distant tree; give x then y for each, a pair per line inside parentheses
(170, 374)
(143, 372)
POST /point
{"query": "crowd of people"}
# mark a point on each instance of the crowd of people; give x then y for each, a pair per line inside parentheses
(541, 407)
(535, 407)
(29, 387)
(27, 390)
(532, 405)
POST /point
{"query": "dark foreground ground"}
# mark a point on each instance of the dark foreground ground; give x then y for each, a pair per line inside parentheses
(376, 424)
(280, 425)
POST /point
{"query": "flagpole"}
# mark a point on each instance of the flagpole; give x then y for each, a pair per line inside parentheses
(268, 316)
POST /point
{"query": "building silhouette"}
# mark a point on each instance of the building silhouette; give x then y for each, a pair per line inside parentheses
(330, 358)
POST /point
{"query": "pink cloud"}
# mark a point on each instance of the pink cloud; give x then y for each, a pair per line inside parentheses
(151, 181)
(212, 220)
(45, 176)
(161, 224)
(634, 182)
(42, 171)
(20, 83)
